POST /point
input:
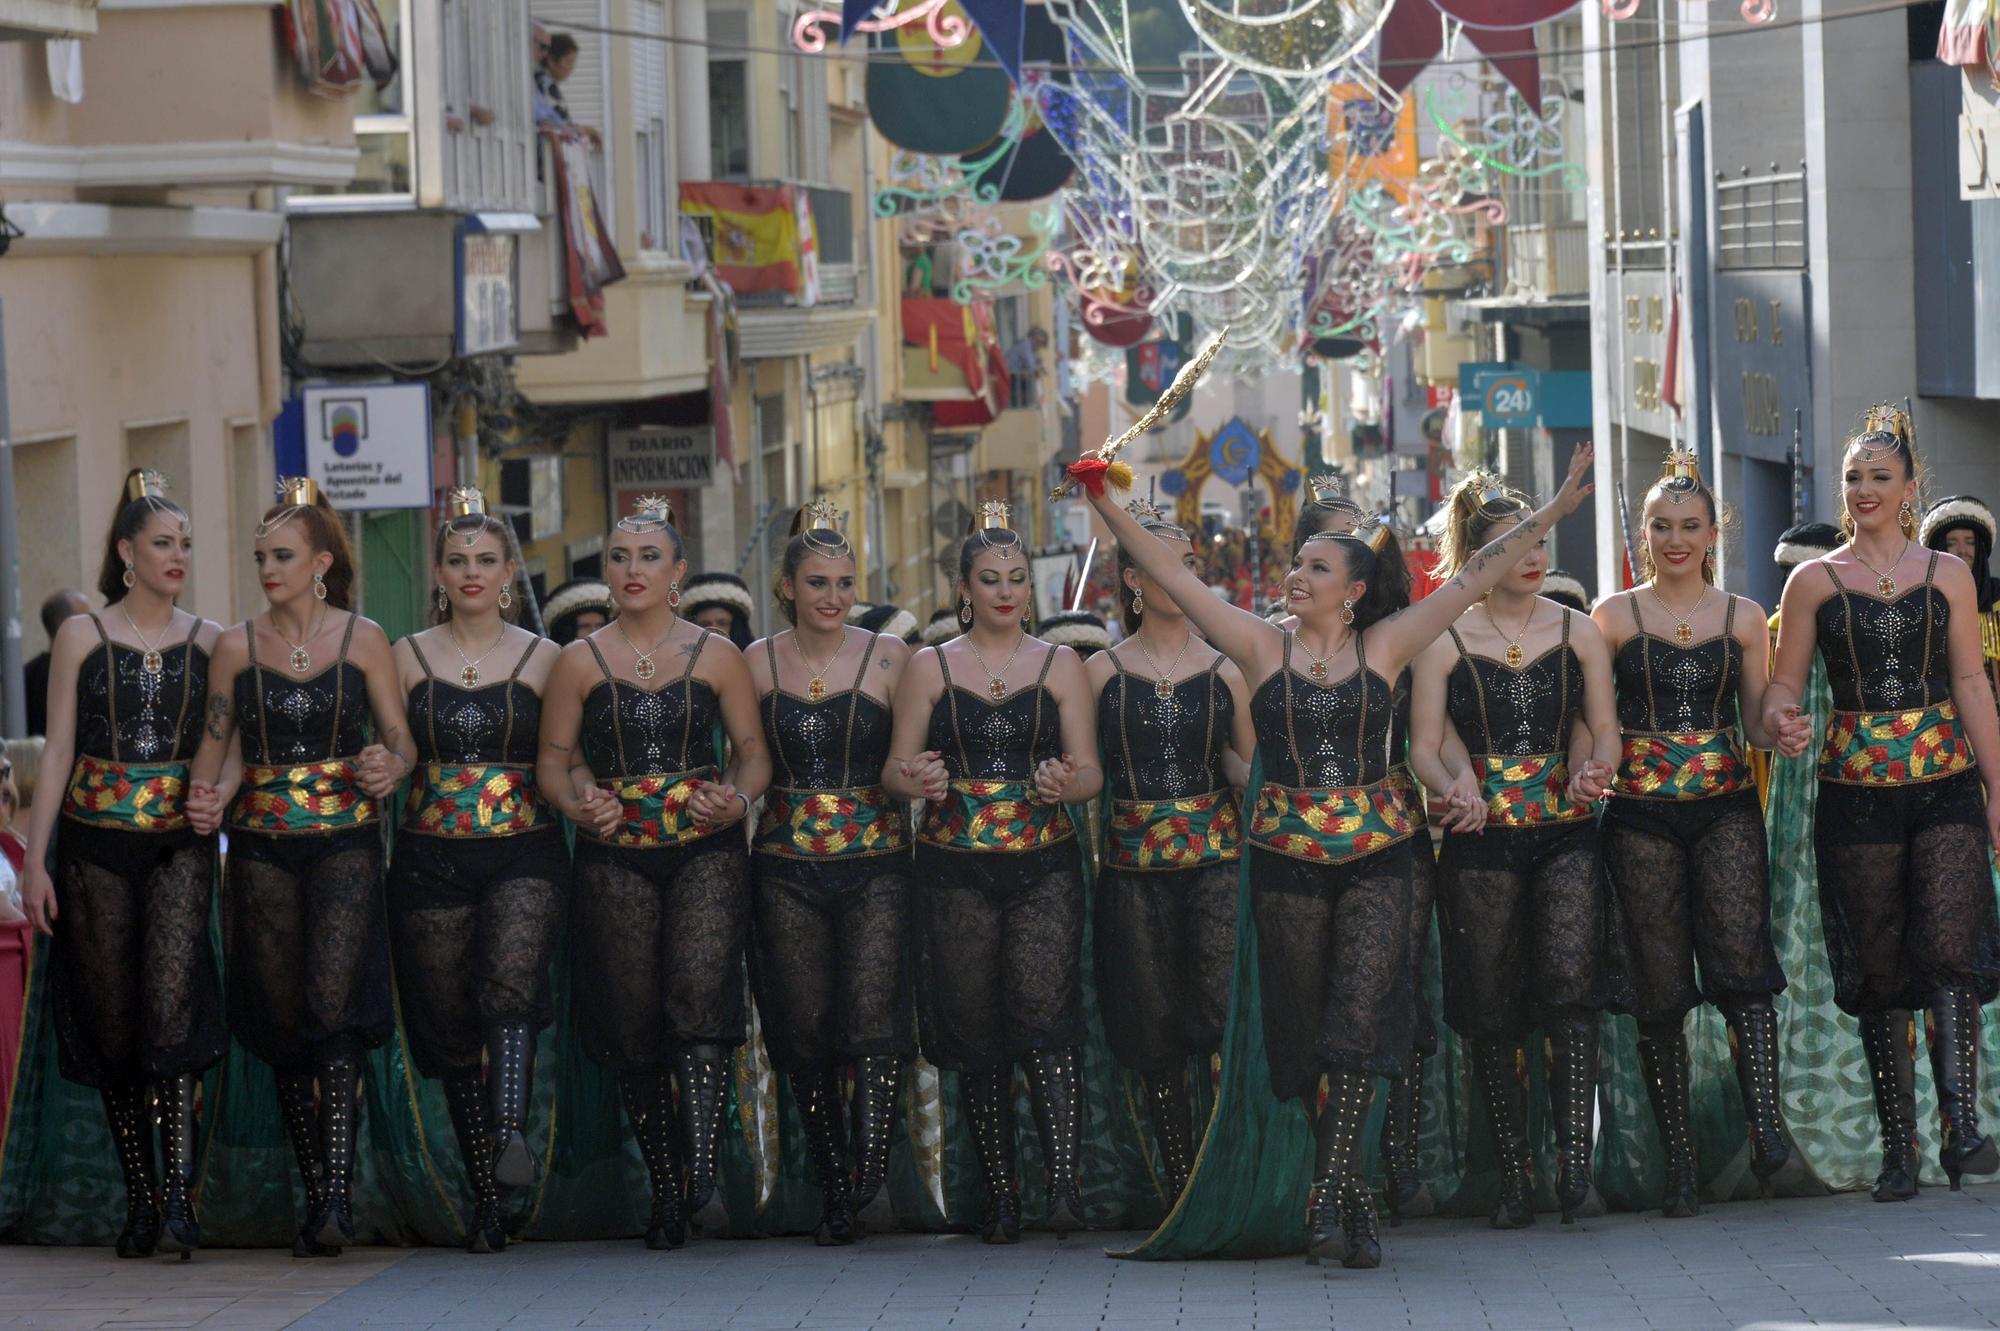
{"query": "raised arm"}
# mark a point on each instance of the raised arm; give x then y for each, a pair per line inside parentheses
(1398, 639)
(914, 772)
(38, 897)
(1252, 643)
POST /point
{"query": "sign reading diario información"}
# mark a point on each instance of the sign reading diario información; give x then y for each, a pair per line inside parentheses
(369, 445)
(662, 457)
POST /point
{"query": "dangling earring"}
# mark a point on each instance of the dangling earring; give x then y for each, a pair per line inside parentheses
(674, 594)
(506, 597)
(965, 612)
(444, 602)
(1907, 512)
(1138, 603)
(319, 586)
(130, 577)
(1347, 612)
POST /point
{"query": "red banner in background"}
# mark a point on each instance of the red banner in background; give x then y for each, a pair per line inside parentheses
(593, 259)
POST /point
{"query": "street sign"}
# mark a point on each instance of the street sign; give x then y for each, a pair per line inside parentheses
(1509, 399)
(662, 457)
(369, 445)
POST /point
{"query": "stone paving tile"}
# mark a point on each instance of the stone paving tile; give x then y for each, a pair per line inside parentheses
(90, 1289)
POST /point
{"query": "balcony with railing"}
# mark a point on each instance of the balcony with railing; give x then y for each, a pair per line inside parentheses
(1545, 252)
(1760, 218)
(790, 250)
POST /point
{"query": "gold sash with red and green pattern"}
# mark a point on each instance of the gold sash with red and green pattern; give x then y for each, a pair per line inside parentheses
(138, 797)
(831, 824)
(1404, 782)
(475, 800)
(994, 817)
(1527, 791)
(1694, 765)
(1330, 826)
(1894, 748)
(1175, 834)
(656, 810)
(301, 798)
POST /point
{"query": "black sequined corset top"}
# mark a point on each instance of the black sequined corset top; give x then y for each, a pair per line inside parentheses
(1515, 713)
(1886, 656)
(1164, 746)
(289, 719)
(1667, 688)
(837, 743)
(493, 723)
(128, 714)
(1314, 736)
(630, 731)
(983, 740)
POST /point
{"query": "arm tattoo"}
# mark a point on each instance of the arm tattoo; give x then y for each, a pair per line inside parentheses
(1493, 549)
(218, 714)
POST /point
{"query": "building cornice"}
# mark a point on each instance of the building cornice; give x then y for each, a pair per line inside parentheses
(54, 230)
(772, 331)
(175, 165)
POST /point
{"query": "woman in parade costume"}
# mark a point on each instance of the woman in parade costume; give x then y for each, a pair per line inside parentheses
(307, 959)
(576, 609)
(1565, 589)
(1796, 545)
(1683, 835)
(1964, 526)
(1330, 870)
(1079, 630)
(1173, 726)
(1001, 912)
(661, 899)
(831, 867)
(720, 603)
(138, 1013)
(1903, 834)
(889, 620)
(476, 885)
(1527, 685)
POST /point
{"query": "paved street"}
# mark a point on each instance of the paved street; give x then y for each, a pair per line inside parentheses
(1843, 1263)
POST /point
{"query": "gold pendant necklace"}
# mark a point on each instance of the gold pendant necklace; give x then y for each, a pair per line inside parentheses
(1683, 630)
(469, 676)
(1163, 686)
(816, 687)
(1885, 585)
(301, 660)
(643, 665)
(150, 660)
(1515, 655)
(1317, 667)
(996, 681)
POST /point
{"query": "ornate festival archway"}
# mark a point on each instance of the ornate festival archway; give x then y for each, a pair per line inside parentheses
(1234, 454)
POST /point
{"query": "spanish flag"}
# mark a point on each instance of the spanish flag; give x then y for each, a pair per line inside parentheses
(761, 238)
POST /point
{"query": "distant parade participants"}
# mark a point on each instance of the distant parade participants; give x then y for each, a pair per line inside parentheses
(1173, 727)
(1079, 630)
(1904, 833)
(480, 871)
(1330, 868)
(994, 731)
(661, 898)
(137, 1010)
(1526, 684)
(831, 867)
(577, 609)
(1964, 526)
(1565, 589)
(295, 693)
(720, 603)
(1684, 833)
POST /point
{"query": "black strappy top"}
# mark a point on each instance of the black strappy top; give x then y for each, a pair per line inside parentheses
(494, 723)
(1164, 746)
(997, 741)
(286, 719)
(1886, 656)
(1665, 688)
(1314, 736)
(1516, 713)
(630, 731)
(837, 743)
(125, 713)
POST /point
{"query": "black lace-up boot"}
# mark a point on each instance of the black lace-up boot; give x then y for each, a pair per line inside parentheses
(818, 1097)
(1341, 1221)
(126, 1109)
(1754, 1023)
(1173, 1129)
(1407, 1194)
(180, 1230)
(989, 1103)
(704, 1083)
(1497, 1065)
(1573, 1097)
(876, 1081)
(510, 1051)
(1885, 1038)
(1955, 1069)
(339, 1119)
(465, 1098)
(649, 1104)
(296, 1098)
(1663, 1059)
(1055, 1088)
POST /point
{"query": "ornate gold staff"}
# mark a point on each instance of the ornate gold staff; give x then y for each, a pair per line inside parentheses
(1095, 468)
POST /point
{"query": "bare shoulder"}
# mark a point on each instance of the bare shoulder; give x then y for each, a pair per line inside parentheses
(1099, 669)
(226, 652)
(891, 653)
(206, 634)
(1583, 630)
(368, 635)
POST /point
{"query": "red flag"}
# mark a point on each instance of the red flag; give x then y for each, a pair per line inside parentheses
(1670, 373)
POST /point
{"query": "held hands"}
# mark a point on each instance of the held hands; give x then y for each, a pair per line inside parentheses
(599, 810)
(717, 803)
(379, 772)
(1052, 778)
(1465, 805)
(927, 771)
(1590, 782)
(38, 899)
(204, 805)
(1794, 732)
(1993, 816)
(1576, 486)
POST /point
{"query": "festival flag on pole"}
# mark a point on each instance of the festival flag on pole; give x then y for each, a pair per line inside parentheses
(761, 238)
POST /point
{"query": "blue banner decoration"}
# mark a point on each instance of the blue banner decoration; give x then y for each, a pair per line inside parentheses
(1235, 453)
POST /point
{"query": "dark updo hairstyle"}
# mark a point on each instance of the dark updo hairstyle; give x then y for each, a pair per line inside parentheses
(466, 530)
(128, 519)
(1886, 429)
(1375, 557)
(814, 532)
(1130, 612)
(326, 534)
(1476, 505)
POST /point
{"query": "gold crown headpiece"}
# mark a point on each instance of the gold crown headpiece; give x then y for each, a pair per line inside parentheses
(818, 517)
(465, 513)
(1886, 419)
(992, 529)
(147, 484)
(1153, 518)
(650, 513)
(1329, 491)
(1491, 490)
(1371, 532)
(1680, 475)
(295, 493)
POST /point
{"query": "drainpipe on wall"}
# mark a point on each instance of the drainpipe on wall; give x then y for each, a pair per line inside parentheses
(14, 713)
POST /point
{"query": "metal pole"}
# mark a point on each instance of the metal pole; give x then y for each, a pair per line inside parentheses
(13, 690)
(1798, 465)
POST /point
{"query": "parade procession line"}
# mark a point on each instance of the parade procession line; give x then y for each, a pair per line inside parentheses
(1839, 1262)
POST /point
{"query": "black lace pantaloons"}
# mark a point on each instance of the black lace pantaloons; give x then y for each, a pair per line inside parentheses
(1522, 912)
(830, 962)
(1165, 948)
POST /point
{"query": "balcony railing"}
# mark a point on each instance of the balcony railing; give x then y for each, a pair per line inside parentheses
(1547, 259)
(1760, 220)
